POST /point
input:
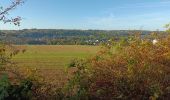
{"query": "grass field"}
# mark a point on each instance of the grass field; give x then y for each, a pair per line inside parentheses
(50, 61)
(51, 57)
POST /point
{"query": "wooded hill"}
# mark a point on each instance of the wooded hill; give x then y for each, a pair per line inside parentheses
(63, 36)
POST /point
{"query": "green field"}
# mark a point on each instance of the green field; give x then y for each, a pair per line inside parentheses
(51, 57)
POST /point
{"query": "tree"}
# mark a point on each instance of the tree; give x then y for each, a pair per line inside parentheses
(5, 11)
(9, 91)
(16, 21)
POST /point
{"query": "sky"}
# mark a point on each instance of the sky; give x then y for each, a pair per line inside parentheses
(91, 14)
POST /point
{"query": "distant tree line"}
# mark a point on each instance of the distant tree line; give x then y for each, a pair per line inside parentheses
(64, 37)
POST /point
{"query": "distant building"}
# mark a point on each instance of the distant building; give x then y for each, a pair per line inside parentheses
(155, 41)
(97, 41)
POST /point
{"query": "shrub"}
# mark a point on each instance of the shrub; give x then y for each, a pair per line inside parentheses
(4, 85)
(22, 90)
(8, 91)
(134, 68)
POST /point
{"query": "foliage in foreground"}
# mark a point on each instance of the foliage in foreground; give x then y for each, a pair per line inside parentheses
(133, 68)
(10, 89)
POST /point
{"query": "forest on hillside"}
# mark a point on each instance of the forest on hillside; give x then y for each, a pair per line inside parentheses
(64, 37)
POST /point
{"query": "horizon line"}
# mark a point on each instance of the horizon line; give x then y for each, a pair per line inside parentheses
(80, 29)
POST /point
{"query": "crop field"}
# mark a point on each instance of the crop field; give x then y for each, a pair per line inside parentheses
(52, 57)
(51, 61)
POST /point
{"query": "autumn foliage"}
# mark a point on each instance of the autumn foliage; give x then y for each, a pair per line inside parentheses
(132, 68)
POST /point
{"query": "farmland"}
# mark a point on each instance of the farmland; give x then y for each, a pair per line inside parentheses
(52, 57)
(50, 61)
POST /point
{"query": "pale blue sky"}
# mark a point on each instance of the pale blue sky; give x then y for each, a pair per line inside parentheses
(91, 14)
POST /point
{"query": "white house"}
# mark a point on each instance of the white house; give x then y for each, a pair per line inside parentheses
(155, 41)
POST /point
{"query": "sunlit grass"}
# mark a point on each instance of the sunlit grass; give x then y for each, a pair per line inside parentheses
(47, 56)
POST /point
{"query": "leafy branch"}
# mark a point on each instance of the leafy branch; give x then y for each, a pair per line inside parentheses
(5, 11)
